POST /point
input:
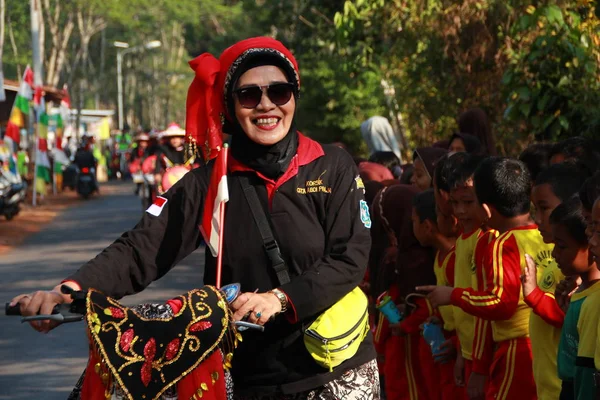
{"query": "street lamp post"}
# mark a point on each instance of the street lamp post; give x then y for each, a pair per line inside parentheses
(122, 49)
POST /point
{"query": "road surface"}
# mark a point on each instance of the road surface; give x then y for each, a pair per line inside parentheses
(37, 366)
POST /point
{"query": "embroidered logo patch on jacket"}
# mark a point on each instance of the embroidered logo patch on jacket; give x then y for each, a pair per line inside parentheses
(365, 217)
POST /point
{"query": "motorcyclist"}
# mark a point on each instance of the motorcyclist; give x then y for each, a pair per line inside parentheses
(84, 158)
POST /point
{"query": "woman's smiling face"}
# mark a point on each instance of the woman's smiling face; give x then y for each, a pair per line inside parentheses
(267, 123)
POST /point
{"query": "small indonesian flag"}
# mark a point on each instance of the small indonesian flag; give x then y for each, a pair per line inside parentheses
(157, 207)
(218, 194)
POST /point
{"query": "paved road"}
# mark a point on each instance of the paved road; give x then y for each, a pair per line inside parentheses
(36, 366)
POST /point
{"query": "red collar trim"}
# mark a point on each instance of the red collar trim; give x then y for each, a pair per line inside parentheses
(308, 151)
(524, 227)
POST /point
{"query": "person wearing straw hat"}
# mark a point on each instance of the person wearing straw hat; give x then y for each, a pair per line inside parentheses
(311, 193)
(172, 151)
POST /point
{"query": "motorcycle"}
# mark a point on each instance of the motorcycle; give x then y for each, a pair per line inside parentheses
(86, 184)
(12, 193)
(179, 350)
(149, 190)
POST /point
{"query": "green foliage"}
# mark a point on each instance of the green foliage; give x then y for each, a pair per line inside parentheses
(17, 25)
(552, 86)
(533, 66)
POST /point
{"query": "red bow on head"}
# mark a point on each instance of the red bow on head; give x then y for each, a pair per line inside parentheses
(204, 106)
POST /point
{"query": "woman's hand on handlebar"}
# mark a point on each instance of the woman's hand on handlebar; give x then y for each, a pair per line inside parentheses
(260, 307)
(42, 302)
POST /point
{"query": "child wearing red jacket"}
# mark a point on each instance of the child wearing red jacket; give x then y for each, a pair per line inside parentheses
(405, 264)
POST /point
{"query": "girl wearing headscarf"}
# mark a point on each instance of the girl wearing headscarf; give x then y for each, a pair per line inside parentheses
(311, 193)
(370, 171)
(465, 143)
(424, 160)
(379, 136)
(475, 122)
(397, 264)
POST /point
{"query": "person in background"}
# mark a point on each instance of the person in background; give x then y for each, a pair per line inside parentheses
(137, 156)
(84, 158)
(446, 220)
(441, 144)
(577, 341)
(464, 142)
(408, 171)
(555, 185)
(398, 263)
(537, 158)
(172, 152)
(424, 160)
(379, 136)
(370, 171)
(588, 193)
(576, 149)
(472, 246)
(426, 231)
(476, 122)
(594, 242)
(389, 160)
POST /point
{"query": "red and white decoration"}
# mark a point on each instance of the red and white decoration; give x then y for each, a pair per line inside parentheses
(157, 207)
(217, 196)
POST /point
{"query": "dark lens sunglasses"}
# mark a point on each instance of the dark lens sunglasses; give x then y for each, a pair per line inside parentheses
(278, 93)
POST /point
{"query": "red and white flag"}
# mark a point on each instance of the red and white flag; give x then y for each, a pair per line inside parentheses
(217, 196)
(157, 207)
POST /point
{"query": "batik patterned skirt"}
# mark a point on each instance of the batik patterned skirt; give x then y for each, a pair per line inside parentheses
(361, 383)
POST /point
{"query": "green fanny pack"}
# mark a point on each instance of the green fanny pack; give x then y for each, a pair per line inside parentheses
(337, 333)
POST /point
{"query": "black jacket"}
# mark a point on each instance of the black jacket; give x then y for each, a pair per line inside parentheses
(316, 214)
(174, 157)
(84, 159)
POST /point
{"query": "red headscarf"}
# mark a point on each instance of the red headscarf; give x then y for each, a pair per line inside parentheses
(370, 171)
(206, 103)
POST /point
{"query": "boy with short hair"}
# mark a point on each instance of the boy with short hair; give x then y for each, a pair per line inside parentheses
(554, 185)
(473, 333)
(503, 188)
(426, 231)
(468, 272)
(446, 221)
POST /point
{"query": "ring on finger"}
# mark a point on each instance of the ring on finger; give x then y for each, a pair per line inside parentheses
(258, 314)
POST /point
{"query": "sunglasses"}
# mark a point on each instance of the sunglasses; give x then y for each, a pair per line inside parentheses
(278, 93)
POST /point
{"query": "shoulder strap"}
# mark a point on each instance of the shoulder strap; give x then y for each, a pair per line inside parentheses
(262, 223)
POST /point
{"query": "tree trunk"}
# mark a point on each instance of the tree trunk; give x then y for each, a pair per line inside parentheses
(60, 32)
(2, 30)
(13, 44)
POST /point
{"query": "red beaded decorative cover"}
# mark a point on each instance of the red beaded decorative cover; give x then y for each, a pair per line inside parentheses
(146, 356)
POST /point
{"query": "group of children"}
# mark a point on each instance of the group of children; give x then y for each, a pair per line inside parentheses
(501, 255)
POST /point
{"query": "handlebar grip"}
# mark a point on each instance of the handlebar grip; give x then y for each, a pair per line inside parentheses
(14, 310)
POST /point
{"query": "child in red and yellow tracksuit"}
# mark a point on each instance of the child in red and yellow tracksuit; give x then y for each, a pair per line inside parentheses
(425, 228)
(406, 376)
(503, 186)
(474, 334)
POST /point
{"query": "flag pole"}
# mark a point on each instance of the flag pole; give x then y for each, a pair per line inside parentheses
(225, 151)
(37, 154)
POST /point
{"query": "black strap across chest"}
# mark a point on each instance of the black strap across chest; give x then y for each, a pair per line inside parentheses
(262, 223)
